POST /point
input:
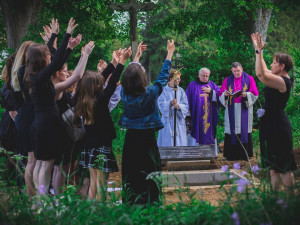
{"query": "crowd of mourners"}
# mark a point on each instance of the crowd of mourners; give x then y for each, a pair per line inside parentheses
(41, 95)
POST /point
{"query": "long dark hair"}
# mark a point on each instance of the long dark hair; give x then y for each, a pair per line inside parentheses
(134, 80)
(36, 60)
(90, 85)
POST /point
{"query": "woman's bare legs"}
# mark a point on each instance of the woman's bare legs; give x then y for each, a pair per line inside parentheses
(29, 174)
(98, 184)
(36, 173)
(60, 177)
(275, 180)
(45, 173)
(285, 179)
(288, 182)
(93, 183)
(102, 178)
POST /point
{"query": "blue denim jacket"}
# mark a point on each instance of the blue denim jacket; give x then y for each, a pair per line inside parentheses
(141, 112)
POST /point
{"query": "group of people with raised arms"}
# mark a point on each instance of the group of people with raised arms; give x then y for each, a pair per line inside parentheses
(42, 89)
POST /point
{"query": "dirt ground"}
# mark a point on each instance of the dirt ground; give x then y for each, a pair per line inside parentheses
(211, 194)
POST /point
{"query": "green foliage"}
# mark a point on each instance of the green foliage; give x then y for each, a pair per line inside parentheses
(285, 27)
(94, 21)
(256, 204)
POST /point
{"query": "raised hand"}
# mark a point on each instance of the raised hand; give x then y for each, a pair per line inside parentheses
(48, 32)
(71, 26)
(140, 49)
(116, 57)
(171, 46)
(171, 49)
(257, 41)
(54, 25)
(88, 48)
(101, 65)
(73, 42)
(125, 54)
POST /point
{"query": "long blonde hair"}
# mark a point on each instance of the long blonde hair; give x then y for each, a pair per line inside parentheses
(87, 88)
(20, 60)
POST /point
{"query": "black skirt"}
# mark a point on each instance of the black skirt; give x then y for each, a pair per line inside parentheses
(46, 136)
(276, 143)
(140, 166)
(23, 122)
(237, 152)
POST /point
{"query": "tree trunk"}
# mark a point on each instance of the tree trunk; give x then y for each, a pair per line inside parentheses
(259, 22)
(262, 23)
(18, 15)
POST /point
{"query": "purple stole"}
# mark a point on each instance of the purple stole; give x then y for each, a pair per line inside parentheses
(244, 110)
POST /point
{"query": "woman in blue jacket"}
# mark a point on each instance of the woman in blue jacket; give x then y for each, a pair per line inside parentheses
(141, 116)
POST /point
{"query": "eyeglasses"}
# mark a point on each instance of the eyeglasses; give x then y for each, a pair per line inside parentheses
(206, 76)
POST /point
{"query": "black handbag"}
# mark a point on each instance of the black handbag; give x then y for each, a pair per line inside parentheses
(8, 132)
(75, 133)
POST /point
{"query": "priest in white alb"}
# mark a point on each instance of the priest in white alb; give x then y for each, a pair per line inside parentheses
(170, 107)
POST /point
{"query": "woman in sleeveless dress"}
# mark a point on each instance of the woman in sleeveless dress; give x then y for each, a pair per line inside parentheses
(275, 128)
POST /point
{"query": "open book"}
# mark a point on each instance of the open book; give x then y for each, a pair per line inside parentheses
(235, 94)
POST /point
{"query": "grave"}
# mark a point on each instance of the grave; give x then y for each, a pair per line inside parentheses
(189, 166)
(186, 153)
(186, 157)
(190, 178)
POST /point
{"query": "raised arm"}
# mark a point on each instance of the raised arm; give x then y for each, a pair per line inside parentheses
(171, 49)
(73, 42)
(163, 76)
(112, 83)
(112, 65)
(53, 29)
(140, 49)
(79, 70)
(262, 72)
(59, 56)
(101, 66)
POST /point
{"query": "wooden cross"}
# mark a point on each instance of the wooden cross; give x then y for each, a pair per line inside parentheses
(133, 8)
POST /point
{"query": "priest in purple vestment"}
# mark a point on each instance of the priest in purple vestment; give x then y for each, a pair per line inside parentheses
(238, 119)
(203, 96)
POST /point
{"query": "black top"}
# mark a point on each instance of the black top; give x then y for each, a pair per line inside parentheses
(108, 70)
(53, 51)
(275, 101)
(7, 99)
(63, 103)
(43, 92)
(102, 132)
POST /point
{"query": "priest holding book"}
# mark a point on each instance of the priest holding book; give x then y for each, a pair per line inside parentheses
(238, 95)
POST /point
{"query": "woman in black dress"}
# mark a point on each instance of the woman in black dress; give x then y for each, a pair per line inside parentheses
(46, 123)
(275, 128)
(61, 84)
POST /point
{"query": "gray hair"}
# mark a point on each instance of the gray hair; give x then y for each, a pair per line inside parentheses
(204, 69)
(236, 64)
